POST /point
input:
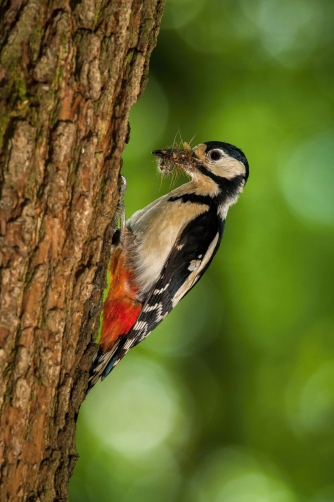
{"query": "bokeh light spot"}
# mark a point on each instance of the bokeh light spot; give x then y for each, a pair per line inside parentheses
(234, 475)
(180, 12)
(325, 494)
(287, 30)
(307, 178)
(141, 411)
(316, 405)
(252, 487)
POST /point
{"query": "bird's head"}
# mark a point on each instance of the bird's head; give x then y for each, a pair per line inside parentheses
(219, 161)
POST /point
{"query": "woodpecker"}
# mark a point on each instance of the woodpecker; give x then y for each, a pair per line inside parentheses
(163, 250)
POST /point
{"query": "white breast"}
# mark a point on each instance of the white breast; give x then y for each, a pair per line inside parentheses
(156, 229)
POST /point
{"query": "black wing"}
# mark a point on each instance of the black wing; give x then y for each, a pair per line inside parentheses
(190, 257)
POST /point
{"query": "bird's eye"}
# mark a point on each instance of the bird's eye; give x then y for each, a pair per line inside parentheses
(215, 155)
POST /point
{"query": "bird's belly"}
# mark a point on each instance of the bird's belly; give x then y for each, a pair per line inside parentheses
(156, 232)
(152, 254)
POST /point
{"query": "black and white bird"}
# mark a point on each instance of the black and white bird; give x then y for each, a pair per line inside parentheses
(165, 248)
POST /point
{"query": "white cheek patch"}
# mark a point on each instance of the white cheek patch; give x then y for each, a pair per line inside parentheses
(228, 168)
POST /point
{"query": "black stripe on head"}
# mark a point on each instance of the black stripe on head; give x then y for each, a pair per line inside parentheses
(231, 150)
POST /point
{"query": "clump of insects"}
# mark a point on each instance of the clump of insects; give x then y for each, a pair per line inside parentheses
(171, 159)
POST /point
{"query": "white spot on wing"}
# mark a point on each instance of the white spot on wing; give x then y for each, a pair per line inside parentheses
(162, 317)
(159, 291)
(128, 344)
(194, 264)
(194, 275)
(140, 325)
(149, 308)
(159, 316)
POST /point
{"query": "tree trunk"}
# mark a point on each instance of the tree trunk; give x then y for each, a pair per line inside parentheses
(69, 73)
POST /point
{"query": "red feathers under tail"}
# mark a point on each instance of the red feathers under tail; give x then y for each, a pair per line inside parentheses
(120, 312)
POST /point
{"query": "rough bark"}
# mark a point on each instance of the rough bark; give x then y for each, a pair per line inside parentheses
(69, 73)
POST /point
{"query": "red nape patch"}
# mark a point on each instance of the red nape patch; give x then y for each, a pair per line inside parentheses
(121, 309)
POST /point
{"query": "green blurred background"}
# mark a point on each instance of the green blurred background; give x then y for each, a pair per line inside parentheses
(231, 399)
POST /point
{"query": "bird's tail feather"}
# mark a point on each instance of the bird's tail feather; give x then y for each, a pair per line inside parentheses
(104, 362)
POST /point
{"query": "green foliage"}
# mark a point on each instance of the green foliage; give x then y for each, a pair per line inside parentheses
(232, 397)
